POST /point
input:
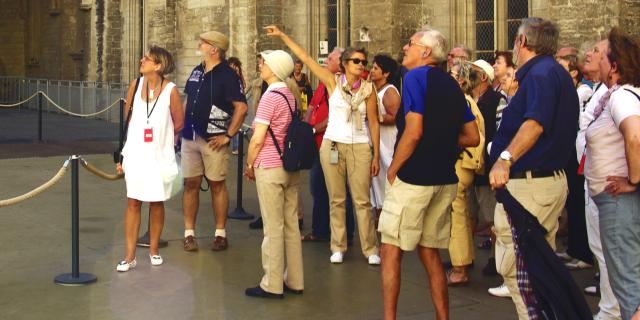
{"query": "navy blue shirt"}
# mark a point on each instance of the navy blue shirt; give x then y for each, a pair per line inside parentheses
(438, 98)
(547, 95)
(210, 98)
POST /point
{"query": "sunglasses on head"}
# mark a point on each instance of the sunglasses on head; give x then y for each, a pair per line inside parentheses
(359, 61)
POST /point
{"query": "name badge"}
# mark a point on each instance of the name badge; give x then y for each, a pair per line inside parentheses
(148, 135)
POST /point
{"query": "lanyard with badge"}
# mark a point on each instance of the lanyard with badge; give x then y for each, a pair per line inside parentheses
(148, 130)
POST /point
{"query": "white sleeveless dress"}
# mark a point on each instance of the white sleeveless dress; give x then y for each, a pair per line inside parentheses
(388, 134)
(150, 167)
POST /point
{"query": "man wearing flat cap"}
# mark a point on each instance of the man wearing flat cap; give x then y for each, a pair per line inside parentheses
(215, 109)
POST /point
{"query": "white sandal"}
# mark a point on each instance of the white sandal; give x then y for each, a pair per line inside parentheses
(125, 266)
(156, 260)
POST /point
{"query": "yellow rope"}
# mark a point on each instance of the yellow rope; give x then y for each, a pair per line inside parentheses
(19, 103)
(100, 173)
(38, 190)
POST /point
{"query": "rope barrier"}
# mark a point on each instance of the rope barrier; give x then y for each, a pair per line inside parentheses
(99, 173)
(78, 114)
(38, 190)
(19, 103)
(60, 107)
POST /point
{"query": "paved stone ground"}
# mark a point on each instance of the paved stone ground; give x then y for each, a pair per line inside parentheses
(36, 247)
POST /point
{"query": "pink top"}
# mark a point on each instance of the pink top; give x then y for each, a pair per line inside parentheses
(273, 111)
(605, 144)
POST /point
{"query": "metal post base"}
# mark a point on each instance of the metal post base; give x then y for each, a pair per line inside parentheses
(240, 214)
(145, 243)
(68, 279)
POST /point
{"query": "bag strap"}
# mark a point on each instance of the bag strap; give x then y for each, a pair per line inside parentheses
(126, 126)
(273, 136)
(633, 93)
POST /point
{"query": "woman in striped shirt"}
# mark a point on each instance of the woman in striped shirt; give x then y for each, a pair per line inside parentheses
(277, 188)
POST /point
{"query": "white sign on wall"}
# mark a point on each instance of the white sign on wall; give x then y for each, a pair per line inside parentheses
(324, 47)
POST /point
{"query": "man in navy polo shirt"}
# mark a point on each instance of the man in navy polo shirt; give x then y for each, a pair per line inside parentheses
(534, 143)
(215, 110)
(422, 181)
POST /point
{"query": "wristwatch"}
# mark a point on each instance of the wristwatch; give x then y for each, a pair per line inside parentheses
(228, 136)
(506, 156)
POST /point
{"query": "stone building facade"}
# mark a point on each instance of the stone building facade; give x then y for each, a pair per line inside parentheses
(102, 40)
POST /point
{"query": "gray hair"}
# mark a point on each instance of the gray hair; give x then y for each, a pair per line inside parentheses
(339, 50)
(464, 73)
(435, 40)
(542, 35)
(465, 48)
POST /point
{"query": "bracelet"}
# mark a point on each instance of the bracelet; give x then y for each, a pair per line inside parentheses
(227, 135)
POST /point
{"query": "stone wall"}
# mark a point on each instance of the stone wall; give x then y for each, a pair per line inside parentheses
(13, 20)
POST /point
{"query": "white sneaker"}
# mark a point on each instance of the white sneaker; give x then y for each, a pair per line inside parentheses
(374, 260)
(156, 260)
(336, 257)
(125, 266)
(501, 291)
(576, 264)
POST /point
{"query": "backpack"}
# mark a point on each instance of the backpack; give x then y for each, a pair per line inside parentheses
(299, 143)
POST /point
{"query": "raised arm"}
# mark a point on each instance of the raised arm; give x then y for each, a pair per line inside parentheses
(322, 73)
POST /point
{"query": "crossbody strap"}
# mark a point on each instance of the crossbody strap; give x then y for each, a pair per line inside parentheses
(126, 126)
(273, 136)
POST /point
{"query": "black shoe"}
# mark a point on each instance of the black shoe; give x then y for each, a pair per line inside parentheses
(258, 292)
(256, 224)
(289, 290)
(490, 268)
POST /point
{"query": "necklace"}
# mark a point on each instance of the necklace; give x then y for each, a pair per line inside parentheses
(150, 94)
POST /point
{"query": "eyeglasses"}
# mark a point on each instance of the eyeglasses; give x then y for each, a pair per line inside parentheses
(364, 62)
(411, 43)
(147, 58)
(453, 56)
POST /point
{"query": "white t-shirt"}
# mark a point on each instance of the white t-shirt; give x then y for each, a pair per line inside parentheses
(605, 144)
(584, 92)
(586, 116)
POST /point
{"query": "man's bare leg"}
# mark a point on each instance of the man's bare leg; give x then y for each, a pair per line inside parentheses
(390, 267)
(437, 281)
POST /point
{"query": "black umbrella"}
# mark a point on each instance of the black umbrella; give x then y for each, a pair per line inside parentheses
(556, 294)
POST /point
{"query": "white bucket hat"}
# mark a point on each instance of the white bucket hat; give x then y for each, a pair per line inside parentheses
(280, 63)
(486, 67)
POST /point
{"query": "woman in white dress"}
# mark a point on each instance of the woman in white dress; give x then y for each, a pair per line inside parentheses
(149, 158)
(383, 71)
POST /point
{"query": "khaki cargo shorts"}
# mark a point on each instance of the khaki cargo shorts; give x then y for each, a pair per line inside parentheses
(199, 159)
(415, 215)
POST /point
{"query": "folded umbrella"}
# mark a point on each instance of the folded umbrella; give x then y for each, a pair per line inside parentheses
(544, 282)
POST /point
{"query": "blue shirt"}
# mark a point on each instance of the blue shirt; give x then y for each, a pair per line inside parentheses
(435, 95)
(210, 98)
(547, 95)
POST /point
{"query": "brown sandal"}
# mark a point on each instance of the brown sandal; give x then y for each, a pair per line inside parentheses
(310, 237)
(451, 283)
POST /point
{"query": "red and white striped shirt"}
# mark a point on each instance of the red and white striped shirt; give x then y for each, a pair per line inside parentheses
(273, 111)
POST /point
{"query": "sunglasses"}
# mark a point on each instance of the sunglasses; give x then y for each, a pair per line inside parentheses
(412, 43)
(364, 62)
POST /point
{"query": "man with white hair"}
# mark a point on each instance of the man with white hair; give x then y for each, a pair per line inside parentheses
(422, 178)
(532, 146)
(461, 51)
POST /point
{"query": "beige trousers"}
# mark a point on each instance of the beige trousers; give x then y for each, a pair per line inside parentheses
(544, 198)
(278, 198)
(354, 166)
(461, 242)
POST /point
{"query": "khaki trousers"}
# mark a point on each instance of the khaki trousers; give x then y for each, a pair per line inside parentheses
(461, 243)
(278, 198)
(544, 198)
(354, 166)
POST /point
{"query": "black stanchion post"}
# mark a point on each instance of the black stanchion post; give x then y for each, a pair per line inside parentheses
(121, 131)
(239, 212)
(75, 278)
(40, 116)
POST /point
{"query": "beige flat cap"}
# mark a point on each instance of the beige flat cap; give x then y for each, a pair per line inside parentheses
(216, 38)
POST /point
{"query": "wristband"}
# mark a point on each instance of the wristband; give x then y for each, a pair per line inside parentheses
(228, 136)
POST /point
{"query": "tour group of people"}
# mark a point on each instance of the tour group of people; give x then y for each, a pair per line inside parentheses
(410, 152)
